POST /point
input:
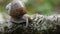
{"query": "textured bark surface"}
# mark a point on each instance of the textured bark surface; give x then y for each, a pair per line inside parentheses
(40, 24)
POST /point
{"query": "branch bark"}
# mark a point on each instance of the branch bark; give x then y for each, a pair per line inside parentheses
(39, 24)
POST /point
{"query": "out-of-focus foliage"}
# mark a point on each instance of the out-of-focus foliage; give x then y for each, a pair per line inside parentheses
(35, 6)
(3, 4)
(44, 7)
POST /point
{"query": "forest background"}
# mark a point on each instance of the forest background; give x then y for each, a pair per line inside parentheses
(46, 7)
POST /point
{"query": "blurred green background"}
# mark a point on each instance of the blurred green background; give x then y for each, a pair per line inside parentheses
(45, 7)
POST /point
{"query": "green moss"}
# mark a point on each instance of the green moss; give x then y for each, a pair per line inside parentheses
(5, 27)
